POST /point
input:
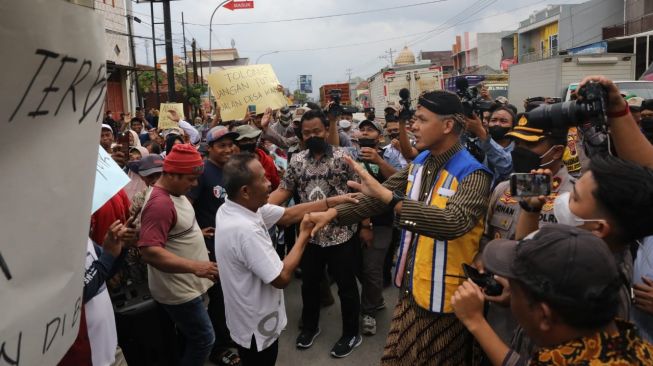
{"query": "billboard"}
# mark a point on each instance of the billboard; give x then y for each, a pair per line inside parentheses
(306, 83)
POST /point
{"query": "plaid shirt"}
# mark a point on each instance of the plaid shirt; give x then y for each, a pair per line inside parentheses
(315, 180)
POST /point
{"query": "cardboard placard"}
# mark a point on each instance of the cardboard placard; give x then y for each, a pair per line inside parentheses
(52, 104)
(164, 115)
(236, 88)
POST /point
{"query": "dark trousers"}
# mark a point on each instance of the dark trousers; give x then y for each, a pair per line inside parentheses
(218, 319)
(216, 310)
(252, 357)
(341, 260)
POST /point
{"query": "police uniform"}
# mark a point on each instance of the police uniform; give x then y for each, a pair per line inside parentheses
(503, 212)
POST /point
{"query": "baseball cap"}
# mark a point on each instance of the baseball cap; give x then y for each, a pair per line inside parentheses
(501, 99)
(374, 125)
(247, 132)
(647, 104)
(285, 114)
(148, 165)
(344, 123)
(218, 132)
(563, 264)
(390, 109)
(533, 129)
(635, 103)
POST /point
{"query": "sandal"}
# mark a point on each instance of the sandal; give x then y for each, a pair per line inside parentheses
(226, 358)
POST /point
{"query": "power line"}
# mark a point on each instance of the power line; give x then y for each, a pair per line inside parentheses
(333, 15)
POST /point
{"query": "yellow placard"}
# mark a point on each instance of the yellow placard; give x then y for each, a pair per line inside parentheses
(164, 115)
(238, 87)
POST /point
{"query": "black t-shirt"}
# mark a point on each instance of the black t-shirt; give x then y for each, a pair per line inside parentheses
(209, 195)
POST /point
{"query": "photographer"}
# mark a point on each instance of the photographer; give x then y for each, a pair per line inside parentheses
(564, 283)
(494, 141)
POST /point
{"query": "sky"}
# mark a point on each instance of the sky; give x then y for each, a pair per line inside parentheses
(327, 47)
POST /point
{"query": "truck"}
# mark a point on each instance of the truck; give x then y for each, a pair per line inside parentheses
(497, 84)
(552, 77)
(325, 93)
(384, 86)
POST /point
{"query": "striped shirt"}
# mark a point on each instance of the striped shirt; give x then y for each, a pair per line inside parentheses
(461, 214)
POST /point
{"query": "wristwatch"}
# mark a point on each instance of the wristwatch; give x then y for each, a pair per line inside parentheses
(526, 207)
(396, 198)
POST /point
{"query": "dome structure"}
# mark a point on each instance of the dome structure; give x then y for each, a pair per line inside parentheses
(405, 57)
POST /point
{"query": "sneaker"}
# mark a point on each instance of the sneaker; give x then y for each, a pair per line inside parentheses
(345, 346)
(305, 338)
(369, 325)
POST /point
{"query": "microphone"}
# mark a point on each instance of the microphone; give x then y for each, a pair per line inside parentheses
(404, 93)
(462, 84)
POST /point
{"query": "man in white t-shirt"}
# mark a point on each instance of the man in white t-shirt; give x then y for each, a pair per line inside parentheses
(251, 274)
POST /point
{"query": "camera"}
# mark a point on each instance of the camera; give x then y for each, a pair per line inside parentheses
(404, 101)
(591, 108)
(471, 99)
(589, 113)
(335, 109)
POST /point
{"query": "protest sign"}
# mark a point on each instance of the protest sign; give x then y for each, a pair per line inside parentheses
(109, 179)
(238, 87)
(164, 115)
(51, 107)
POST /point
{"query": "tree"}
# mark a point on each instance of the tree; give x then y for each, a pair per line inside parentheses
(193, 95)
(299, 97)
(146, 81)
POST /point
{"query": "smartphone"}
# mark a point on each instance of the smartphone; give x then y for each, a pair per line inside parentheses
(528, 184)
(123, 141)
(484, 280)
(251, 109)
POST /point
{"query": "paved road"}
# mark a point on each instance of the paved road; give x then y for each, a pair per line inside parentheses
(367, 354)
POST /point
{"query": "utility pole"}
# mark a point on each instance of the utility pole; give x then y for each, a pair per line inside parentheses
(167, 26)
(183, 34)
(348, 72)
(147, 52)
(194, 47)
(388, 56)
(156, 70)
(202, 70)
(133, 57)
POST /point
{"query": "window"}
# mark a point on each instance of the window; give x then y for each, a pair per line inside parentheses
(553, 43)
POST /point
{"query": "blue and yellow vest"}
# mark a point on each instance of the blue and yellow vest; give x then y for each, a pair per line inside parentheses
(436, 271)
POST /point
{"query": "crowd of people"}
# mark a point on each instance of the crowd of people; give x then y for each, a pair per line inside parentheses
(192, 256)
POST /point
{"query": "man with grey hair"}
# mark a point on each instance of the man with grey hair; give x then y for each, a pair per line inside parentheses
(251, 274)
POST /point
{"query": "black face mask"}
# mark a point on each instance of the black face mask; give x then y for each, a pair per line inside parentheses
(251, 147)
(498, 133)
(393, 136)
(316, 145)
(523, 160)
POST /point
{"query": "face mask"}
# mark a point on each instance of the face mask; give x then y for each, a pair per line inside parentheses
(248, 147)
(497, 132)
(284, 123)
(316, 145)
(393, 136)
(563, 213)
(524, 160)
(298, 132)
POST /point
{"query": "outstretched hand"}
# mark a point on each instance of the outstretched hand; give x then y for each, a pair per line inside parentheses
(369, 186)
(321, 219)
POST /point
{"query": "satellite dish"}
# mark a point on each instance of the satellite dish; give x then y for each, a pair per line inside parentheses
(233, 43)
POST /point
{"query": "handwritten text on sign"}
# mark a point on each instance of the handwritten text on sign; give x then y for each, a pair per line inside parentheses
(52, 96)
(238, 87)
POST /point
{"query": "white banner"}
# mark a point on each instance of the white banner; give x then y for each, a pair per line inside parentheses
(51, 105)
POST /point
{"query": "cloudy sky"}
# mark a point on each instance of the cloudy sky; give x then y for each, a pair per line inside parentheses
(327, 47)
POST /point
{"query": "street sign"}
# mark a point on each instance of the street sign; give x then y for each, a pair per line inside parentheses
(233, 5)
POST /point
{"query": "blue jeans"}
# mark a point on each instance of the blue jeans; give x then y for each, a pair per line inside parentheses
(192, 320)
